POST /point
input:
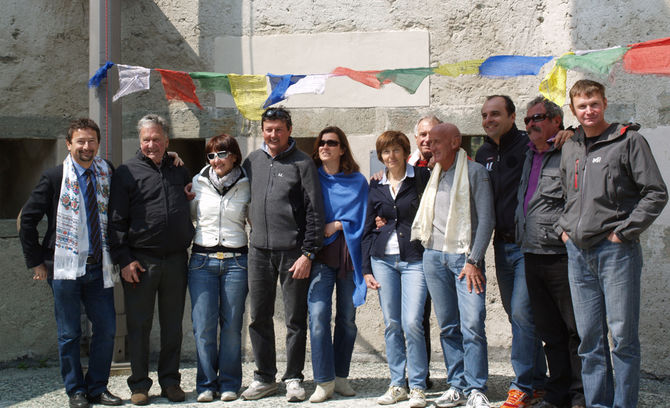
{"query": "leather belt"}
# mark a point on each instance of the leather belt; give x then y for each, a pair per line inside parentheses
(222, 255)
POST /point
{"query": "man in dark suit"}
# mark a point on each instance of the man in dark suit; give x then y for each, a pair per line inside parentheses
(74, 259)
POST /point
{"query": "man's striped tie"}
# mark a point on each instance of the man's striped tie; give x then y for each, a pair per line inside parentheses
(92, 218)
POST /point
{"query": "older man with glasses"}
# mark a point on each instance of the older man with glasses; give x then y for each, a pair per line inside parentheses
(287, 218)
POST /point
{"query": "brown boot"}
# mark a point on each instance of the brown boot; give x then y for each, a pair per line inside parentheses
(174, 393)
(140, 397)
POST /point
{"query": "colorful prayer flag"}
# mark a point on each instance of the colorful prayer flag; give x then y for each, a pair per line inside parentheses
(368, 78)
(100, 74)
(280, 84)
(553, 86)
(310, 84)
(597, 62)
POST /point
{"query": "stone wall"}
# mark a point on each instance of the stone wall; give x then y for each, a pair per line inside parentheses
(44, 60)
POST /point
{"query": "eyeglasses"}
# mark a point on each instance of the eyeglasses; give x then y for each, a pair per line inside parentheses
(221, 155)
(329, 143)
(538, 117)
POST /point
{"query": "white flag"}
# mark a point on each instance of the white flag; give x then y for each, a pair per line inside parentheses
(315, 84)
(131, 79)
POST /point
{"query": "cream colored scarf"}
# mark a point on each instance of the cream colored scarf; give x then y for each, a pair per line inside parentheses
(457, 232)
(71, 247)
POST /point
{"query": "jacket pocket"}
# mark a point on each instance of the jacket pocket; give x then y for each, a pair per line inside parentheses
(550, 184)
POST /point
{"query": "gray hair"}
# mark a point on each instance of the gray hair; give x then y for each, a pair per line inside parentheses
(432, 118)
(154, 120)
(552, 109)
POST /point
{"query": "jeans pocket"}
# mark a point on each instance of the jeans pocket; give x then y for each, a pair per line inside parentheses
(197, 262)
(241, 261)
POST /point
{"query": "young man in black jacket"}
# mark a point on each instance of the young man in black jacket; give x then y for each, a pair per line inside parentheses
(74, 259)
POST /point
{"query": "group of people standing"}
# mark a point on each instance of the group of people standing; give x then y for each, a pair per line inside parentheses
(567, 209)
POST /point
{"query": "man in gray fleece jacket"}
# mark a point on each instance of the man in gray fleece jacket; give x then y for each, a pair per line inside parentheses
(613, 191)
(287, 221)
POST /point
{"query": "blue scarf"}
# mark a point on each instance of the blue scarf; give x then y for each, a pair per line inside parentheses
(345, 198)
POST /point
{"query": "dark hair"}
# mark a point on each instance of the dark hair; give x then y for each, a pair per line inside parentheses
(227, 143)
(587, 88)
(550, 107)
(82, 123)
(277, 114)
(509, 105)
(390, 138)
(348, 164)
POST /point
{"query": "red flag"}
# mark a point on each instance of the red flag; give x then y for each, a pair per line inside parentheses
(368, 78)
(179, 85)
(651, 57)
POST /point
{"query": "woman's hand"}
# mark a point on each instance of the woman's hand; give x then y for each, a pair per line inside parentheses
(331, 228)
(371, 282)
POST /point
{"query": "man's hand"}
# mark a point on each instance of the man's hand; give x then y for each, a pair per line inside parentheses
(40, 272)
(190, 195)
(564, 237)
(131, 272)
(613, 238)
(301, 267)
(561, 137)
(371, 282)
(331, 228)
(377, 176)
(380, 222)
(176, 160)
(473, 278)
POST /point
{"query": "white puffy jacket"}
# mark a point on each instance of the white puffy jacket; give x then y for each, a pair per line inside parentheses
(219, 220)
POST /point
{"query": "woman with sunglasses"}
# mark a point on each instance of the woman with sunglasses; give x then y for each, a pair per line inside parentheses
(393, 266)
(217, 271)
(337, 265)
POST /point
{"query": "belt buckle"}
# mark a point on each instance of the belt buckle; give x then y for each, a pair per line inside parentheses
(220, 255)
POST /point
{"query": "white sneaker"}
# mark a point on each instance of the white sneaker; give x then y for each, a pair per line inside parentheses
(258, 389)
(228, 396)
(206, 396)
(295, 392)
(343, 387)
(451, 398)
(392, 395)
(417, 399)
(323, 391)
(477, 400)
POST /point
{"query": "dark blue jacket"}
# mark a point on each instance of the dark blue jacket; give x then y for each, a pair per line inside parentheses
(399, 215)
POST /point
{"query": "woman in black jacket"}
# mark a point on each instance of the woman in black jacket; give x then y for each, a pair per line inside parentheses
(393, 265)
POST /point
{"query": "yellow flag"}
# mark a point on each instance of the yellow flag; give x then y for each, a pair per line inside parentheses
(250, 93)
(470, 67)
(553, 86)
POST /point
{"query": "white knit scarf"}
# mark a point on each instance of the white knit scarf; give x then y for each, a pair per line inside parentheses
(457, 232)
(71, 248)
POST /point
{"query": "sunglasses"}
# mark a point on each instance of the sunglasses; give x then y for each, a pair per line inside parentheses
(221, 155)
(275, 113)
(329, 143)
(538, 117)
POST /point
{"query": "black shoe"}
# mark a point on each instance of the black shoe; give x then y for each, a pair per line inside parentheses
(106, 398)
(78, 400)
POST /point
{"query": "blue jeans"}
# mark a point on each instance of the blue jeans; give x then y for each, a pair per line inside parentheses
(461, 316)
(322, 281)
(605, 288)
(99, 305)
(527, 356)
(402, 296)
(218, 291)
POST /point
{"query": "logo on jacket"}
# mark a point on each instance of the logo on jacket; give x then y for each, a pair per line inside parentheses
(597, 159)
(280, 174)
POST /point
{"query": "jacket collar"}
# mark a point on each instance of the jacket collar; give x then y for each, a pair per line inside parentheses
(508, 139)
(291, 147)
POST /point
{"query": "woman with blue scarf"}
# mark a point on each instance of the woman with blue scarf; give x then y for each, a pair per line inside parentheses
(337, 265)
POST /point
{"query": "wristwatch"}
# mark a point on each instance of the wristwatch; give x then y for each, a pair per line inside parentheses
(474, 263)
(309, 255)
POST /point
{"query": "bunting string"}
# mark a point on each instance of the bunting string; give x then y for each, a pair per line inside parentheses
(253, 93)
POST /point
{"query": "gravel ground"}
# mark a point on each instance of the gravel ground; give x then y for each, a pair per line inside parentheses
(42, 387)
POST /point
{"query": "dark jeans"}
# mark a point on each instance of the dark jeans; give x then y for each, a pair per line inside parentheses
(99, 305)
(265, 266)
(549, 290)
(165, 277)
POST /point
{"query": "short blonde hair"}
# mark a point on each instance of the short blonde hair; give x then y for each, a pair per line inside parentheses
(587, 88)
